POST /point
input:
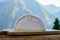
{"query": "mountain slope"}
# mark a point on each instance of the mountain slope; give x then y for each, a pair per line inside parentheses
(11, 10)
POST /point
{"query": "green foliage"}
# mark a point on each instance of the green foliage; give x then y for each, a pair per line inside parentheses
(56, 24)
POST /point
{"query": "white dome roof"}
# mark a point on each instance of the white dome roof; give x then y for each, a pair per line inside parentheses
(29, 23)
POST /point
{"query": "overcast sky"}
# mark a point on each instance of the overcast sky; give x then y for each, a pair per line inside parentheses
(46, 2)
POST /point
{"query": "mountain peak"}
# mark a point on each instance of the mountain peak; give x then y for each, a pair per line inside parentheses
(51, 5)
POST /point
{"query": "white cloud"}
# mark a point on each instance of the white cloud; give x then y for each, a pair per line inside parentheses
(46, 2)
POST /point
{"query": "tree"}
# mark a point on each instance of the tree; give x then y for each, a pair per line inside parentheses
(56, 24)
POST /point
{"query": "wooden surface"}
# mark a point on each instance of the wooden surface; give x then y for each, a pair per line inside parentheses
(34, 33)
(55, 35)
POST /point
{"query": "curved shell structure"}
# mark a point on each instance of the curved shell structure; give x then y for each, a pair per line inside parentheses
(29, 23)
